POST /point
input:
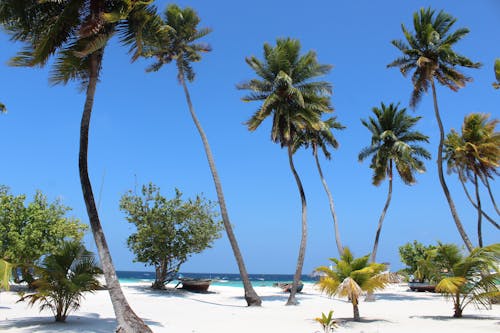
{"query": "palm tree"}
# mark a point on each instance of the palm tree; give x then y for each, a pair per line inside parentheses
(322, 139)
(295, 101)
(63, 278)
(77, 32)
(393, 144)
(429, 54)
(177, 42)
(475, 155)
(496, 85)
(350, 277)
(471, 278)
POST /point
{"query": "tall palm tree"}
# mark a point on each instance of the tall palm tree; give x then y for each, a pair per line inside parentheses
(470, 279)
(322, 139)
(350, 277)
(289, 93)
(429, 54)
(394, 143)
(178, 42)
(77, 32)
(475, 155)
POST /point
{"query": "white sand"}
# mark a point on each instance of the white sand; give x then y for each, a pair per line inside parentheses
(223, 310)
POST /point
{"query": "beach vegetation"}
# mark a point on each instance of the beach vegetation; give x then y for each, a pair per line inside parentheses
(468, 278)
(168, 231)
(30, 230)
(177, 41)
(394, 145)
(428, 53)
(411, 253)
(327, 322)
(352, 277)
(5, 274)
(75, 34)
(474, 155)
(292, 96)
(63, 278)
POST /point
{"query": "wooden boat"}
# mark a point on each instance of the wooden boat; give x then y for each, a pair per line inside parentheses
(422, 286)
(198, 285)
(287, 287)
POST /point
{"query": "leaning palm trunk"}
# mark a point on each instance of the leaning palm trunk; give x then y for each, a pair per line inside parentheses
(382, 216)
(128, 321)
(479, 215)
(446, 191)
(332, 207)
(251, 296)
(486, 216)
(303, 241)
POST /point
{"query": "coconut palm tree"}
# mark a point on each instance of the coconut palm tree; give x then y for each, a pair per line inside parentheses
(350, 277)
(394, 143)
(471, 278)
(322, 139)
(289, 93)
(475, 155)
(76, 33)
(428, 53)
(63, 278)
(178, 42)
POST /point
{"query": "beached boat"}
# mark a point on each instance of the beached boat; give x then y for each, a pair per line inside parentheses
(422, 286)
(198, 285)
(287, 287)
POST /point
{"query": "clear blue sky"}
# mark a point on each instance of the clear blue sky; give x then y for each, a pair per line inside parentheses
(141, 128)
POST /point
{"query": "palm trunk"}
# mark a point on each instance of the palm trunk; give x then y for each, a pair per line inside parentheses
(457, 308)
(486, 216)
(355, 310)
(332, 207)
(479, 215)
(447, 194)
(128, 321)
(303, 241)
(382, 216)
(251, 296)
(487, 183)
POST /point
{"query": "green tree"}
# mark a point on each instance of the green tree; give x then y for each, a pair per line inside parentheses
(289, 93)
(394, 143)
(350, 277)
(29, 231)
(475, 155)
(411, 253)
(428, 52)
(471, 278)
(322, 139)
(168, 231)
(76, 34)
(63, 278)
(496, 85)
(178, 42)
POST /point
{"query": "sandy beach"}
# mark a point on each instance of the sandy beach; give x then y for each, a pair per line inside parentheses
(223, 310)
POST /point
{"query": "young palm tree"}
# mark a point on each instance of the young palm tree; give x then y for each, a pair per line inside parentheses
(63, 278)
(475, 155)
(289, 93)
(178, 42)
(429, 54)
(322, 139)
(350, 277)
(77, 32)
(394, 143)
(471, 278)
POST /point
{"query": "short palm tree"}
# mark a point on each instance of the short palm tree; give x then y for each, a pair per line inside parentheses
(428, 52)
(350, 277)
(475, 155)
(289, 93)
(76, 33)
(63, 279)
(178, 42)
(394, 143)
(321, 139)
(471, 278)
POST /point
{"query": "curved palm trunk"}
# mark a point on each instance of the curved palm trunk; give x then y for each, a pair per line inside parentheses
(486, 216)
(487, 183)
(251, 296)
(479, 215)
(332, 207)
(303, 241)
(382, 216)
(355, 310)
(446, 191)
(128, 321)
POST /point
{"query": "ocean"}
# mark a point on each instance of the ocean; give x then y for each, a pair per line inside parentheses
(218, 279)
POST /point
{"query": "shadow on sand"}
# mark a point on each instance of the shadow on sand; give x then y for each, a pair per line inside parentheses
(450, 318)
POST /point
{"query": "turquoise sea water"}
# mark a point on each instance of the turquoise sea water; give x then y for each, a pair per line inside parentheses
(218, 279)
